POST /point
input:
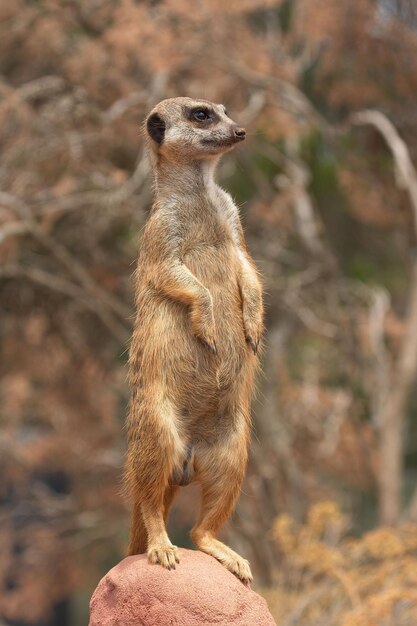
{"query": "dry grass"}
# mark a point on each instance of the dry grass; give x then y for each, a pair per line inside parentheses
(328, 578)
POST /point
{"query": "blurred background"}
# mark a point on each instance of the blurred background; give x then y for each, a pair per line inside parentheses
(328, 197)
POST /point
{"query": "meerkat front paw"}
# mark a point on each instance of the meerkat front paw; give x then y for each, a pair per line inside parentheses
(166, 555)
(253, 334)
(202, 321)
(206, 333)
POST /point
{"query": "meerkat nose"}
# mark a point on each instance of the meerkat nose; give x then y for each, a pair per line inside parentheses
(240, 133)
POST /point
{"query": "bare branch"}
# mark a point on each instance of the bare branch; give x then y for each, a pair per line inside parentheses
(377, 313)
(104, 198)
(392, 419)
(118, 108)
(406, 175)
(11, 230)
(45, 86)
(61, 285)
(72, 265)
(289, 96)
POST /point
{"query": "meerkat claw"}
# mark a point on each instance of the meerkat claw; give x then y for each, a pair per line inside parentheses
(165, 555)
(209, 345)
(253, 344)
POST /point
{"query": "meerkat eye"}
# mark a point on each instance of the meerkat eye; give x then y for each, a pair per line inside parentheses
(201, 115)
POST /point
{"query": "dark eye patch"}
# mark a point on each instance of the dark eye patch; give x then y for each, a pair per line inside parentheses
(201, 115)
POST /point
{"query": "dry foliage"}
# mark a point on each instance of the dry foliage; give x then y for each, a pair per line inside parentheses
(326, 576)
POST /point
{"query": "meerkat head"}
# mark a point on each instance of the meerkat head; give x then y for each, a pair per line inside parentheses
(181, 129)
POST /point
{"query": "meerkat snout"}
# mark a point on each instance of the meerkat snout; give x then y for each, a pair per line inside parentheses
(240, 134)
(181, 128)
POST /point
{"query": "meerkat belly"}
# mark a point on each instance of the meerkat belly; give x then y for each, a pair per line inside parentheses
(170, 353)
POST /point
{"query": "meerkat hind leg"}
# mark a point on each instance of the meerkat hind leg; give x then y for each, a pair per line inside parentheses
(138, 535)
(160, 548)
(156, 494)
(219, 495)
(170, 493)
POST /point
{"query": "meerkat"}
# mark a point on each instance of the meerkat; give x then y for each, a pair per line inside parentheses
(193, 354)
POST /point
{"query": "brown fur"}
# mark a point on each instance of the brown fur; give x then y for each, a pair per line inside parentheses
(193, 351)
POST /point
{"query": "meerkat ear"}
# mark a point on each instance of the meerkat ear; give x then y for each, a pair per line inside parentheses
(155, 126)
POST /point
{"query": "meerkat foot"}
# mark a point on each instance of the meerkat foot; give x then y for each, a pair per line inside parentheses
(237, 565)
(229, 558)
(234, 563)
(166, 555)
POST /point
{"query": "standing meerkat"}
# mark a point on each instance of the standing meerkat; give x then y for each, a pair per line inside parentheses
(194, 348)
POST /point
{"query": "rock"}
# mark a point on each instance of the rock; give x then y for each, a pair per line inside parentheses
(199, 592)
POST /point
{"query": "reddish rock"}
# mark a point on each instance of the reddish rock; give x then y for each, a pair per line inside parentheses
(199, 592)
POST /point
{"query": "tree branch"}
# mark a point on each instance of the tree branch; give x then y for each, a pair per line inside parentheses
(71, 264)
(66, 287)
(392, 418)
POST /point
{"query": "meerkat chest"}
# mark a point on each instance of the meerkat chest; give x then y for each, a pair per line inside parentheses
(205, 238)
(209, 249)
(207, 230)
